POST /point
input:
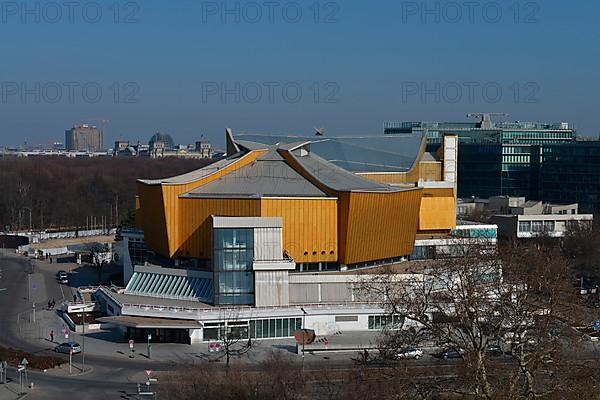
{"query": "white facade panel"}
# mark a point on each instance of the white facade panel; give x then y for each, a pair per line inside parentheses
(271, 288)
(267, 244)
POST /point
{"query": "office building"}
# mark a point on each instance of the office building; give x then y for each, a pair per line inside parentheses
(84, 138)
(496, 158)
(571, 173)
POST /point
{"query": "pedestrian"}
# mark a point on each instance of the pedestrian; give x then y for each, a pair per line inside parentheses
(74, 298)
(52, 336)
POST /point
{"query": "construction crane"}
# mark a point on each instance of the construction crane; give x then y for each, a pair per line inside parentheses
(486, 118)
(103, 123)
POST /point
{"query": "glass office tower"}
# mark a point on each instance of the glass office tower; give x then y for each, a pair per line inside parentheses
(494, 158)
(571, 173)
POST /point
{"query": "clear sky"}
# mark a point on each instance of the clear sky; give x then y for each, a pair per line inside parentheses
(194, 67)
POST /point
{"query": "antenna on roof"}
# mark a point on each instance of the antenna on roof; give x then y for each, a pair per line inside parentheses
(319, 131)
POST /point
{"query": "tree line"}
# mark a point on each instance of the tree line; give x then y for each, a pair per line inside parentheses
(45, 193)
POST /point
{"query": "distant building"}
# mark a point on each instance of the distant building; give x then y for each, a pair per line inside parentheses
(496, 158)
(84, 138)
(121, 145)
(518, 218)
(58, 146)
(161, 140)
(204, 149)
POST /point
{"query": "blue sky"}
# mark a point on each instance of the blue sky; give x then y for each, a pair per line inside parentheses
(189, 67)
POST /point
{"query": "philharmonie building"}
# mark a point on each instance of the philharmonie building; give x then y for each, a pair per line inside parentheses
(275, 235)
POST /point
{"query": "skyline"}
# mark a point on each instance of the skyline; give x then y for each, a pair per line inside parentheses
(199, 68)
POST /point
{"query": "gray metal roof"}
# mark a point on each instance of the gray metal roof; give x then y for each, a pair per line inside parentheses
(335, 177)
(268, 176)
(196, 174)
(381, 153)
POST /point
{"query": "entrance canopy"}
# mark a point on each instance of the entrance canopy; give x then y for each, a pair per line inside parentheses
(149, 323)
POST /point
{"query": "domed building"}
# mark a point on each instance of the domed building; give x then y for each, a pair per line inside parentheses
(163, 138)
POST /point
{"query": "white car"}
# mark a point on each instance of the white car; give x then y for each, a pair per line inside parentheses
(410, 353)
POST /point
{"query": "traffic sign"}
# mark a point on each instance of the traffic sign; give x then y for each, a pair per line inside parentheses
(131, 343)
(20, 368)
(24, 361)
(148, 372)
(597, 326)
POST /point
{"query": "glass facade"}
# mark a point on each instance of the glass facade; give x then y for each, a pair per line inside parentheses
(274, 328)
(233, 274)
(571, 173)
(379, 322)
(253, 329)
(503, 159)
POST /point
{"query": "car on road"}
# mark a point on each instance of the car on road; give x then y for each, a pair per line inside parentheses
(62, 276)
(410, 353)
(494, 350)
(450, 352)
(68, 347)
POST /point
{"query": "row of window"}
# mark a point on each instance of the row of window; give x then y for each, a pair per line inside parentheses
(274, 328)
(253, 329)
(515, 159)
(536, 135)
(379, 322)
(536, 226)
(317, 267)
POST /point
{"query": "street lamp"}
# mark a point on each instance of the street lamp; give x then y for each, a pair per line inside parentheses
(303, 334)
(83, 340)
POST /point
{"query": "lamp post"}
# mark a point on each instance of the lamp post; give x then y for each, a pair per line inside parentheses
(83, 340)
(149, 348)
(303, 334)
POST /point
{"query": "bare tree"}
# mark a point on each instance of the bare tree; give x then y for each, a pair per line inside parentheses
(277, 378)
(233, 338)
(98, 258)
(477, 302)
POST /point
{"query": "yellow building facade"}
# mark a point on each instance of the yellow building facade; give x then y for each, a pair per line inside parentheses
(329, 215)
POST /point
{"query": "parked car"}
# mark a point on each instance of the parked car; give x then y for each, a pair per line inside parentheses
(450, 352)
(68, 347)
(494, 350)
(61, 275)
(410, 353)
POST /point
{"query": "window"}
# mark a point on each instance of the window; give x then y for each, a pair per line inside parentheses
(524, 226)
(537, 226)
(233, 258)
(548, 226)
